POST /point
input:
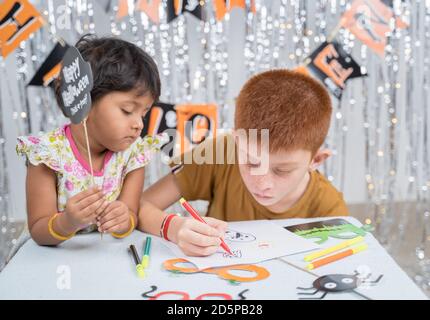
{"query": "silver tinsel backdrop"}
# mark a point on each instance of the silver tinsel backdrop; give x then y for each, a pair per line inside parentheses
(196, 63)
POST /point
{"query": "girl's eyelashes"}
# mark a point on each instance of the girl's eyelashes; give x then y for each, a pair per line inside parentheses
(129, 111)
(282, 172)
(126, 111)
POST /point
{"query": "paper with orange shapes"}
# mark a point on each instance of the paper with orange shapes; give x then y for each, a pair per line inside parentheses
(171, 265)
(369, 21)
(224, 6)
(150, 7)
(195, 122)
(244, 239)
(18, 20)
(259, 273)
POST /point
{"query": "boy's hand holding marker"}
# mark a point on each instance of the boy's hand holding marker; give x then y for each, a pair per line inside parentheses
(193, 237)
(196, 238)
(197, 217)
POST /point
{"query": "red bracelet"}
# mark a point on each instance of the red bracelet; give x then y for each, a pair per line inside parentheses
(166, 225)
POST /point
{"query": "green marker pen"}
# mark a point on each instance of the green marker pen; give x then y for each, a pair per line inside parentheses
(139, 268)
(145, 258)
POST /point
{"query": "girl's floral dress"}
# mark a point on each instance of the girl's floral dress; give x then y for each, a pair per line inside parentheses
(57, 150)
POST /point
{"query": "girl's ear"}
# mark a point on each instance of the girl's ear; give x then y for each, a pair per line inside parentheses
(319, 158)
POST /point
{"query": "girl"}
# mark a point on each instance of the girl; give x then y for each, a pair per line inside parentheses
(60, 197)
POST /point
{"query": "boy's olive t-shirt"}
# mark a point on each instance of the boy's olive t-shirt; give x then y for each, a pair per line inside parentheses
(230, 200)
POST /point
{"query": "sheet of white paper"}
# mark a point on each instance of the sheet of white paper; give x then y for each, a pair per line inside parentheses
(250, 242)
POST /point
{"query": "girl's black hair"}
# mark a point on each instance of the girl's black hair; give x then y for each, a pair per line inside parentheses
(118, 65)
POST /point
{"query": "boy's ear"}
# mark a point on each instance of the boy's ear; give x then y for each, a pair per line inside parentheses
(319, 158)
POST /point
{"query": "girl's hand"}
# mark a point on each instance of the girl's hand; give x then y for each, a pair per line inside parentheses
(115, 218)
(196, 238)
(83, 208)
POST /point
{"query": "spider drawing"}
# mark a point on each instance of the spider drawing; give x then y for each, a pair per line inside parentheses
(337, 283)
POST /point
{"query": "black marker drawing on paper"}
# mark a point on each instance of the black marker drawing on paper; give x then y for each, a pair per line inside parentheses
(237, 236)
(236, 254)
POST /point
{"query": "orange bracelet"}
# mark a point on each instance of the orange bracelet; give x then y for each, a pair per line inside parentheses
(55, 234)
(123, 235)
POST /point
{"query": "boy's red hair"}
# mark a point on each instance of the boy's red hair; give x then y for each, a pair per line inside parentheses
(294, 107)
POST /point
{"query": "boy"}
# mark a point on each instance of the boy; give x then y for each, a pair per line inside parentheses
(280, 181)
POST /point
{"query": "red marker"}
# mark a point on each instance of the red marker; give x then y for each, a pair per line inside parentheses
(196, 216)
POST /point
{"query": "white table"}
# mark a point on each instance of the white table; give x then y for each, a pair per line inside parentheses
(86, 267)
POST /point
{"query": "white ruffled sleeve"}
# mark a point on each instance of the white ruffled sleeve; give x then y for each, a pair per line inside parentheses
(38, 150)
(143, 149)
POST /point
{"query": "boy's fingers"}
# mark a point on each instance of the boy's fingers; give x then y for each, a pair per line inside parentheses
(217, 224)
(193, 250)
(202, 241)
(204, 229)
